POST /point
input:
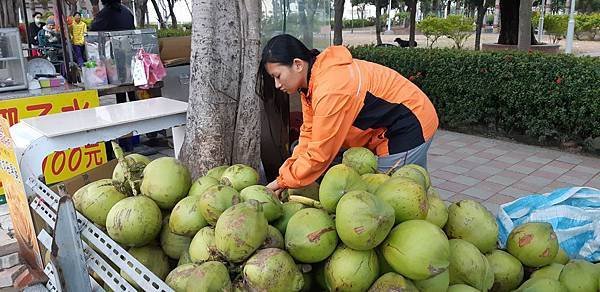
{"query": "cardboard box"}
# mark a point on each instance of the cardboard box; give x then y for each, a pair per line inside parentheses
(175, 50)
(75, 183)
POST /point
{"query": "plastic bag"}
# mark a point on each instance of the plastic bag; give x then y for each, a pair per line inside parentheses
(153, 68)
(573, 212)
(94, 74)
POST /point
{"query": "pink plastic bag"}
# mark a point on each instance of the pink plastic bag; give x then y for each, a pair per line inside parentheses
(153, 67)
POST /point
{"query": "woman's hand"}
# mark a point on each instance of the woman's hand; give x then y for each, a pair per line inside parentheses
(274, 186)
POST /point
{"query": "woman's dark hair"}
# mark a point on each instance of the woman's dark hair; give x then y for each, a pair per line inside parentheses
(282, 49)
(37, 13)
(76, 13)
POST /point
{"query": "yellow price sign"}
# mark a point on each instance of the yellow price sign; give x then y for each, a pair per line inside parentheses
(60, 165)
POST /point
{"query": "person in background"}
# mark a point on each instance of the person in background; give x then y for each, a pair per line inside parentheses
(114, 16)
(78, 30)
(35, 27)
(47, 36)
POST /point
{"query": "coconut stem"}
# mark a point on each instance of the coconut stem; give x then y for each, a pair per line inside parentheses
(127, 165)
(306, 201)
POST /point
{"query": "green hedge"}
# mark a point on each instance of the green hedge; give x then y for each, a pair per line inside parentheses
(548, 97)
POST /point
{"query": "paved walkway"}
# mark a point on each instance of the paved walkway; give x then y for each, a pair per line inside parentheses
(496, 172)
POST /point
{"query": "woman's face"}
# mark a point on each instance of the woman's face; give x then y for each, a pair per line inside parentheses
(288, 78)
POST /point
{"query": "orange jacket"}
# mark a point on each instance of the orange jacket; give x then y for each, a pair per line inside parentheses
(352, 103)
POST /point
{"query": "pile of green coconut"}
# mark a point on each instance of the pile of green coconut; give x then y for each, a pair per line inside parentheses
(358, 230)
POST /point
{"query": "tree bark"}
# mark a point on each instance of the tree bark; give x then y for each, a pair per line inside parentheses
(435, 7)
(413, 22)
(524, 42)
(338, 22)
(161, 21)
(9, 16)
(378, 21)
(171, 4)
(223, 110)
(509, 23)
(480, 16)
(141, 6)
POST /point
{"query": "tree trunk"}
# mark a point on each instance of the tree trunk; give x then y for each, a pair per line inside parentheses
(480, 16)
(435, 7)
(413, 22)
(171, 4)
(95, 7)
(223, 125)
(524, 38)
(378, 21)
(306, 34)
(509, 23)
(161, 21)
(338, 23)
(141, 6)
(9, 16)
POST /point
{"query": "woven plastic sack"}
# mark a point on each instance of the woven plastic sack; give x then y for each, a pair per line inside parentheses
(573, 212)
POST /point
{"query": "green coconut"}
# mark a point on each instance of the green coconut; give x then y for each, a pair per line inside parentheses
(166, 181)
(393, 282)
(551, 271)
(360, 159)
(239, 176)
(310, 191)
(153, 258)
(240, 231)
(272, 269)
(177, 278)
(351, 270)
(274, 239)
(363, 220)
(424, 172)
(201, 185)
(95, 200)
(134, 221)
(437, 213)
(384, 266)
(541, 285)
(172, 244)
(579, 275)
(471, 221)
(462, 288)
(288, 210)
(411, 172)
(508, 271)
(417, 249)
(310, 236)
(534, 244)
(272, 207)
(339, 180)
(186, 218)
(436, 283)
(184, 258)
(209, 276)
(126, 181)
(469, 266)
(215, 200)
(374, 180)
(203, 248)
(561, 257)
(217, 172)
(408, 198)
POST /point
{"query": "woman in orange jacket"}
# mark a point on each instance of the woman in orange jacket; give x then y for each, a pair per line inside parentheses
(347, 103)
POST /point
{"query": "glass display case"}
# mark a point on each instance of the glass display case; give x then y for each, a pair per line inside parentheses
(12, 64)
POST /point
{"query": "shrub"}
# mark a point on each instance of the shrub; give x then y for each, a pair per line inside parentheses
(459, 29)
(432, 28)
(546, 97)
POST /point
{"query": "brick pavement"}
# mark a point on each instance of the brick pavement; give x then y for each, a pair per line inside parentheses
(495, 172)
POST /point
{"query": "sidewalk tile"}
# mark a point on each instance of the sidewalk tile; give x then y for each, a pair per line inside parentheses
(476, 159)
(500, 199)
(538, 159)
(452, 186)
(508, 158)
(460, 197)
(443, 174)
(503, 180)
(465, 180)
(455, 169)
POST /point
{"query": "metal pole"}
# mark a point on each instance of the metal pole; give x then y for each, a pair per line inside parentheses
(352, 17)
(389, 21)
(541, 22)
(571, 29)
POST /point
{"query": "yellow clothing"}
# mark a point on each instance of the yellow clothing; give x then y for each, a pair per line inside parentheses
(78, 31)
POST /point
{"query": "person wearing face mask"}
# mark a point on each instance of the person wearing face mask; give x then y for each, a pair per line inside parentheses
(347, 103)
(48, 36)
(35, 27)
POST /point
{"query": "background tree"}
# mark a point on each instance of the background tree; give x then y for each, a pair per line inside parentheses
(338, 23)
(482, 6)
(9, 16)
(162, 23)
(509, 17)
(223, 120)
